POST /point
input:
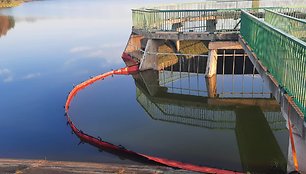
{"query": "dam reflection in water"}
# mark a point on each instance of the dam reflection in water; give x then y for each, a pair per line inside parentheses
(234, 101)
(229, 121)
(252, 116)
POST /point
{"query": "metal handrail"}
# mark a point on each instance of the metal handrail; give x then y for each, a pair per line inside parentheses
(195, 20)
(291, 25)
(271, 27)
(286, 16)
(282, 54)
(227, 4)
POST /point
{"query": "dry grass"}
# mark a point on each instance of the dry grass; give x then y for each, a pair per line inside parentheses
(167, 58)
(193, 47)
(7, 4)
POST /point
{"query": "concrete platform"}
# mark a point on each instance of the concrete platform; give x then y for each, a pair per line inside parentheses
(173, 35)
(12, 166)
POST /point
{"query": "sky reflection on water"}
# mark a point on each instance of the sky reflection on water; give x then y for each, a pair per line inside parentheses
(50, 48)
(55, 44)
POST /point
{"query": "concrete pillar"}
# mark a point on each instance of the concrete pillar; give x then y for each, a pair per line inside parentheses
(211, 25)
(176, 26)
(177, 45)
(173, 44)
(151, 80)
(149, 60)
(211, 68)
(211, 85)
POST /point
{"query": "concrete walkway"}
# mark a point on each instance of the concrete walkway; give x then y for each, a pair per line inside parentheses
(10, 166)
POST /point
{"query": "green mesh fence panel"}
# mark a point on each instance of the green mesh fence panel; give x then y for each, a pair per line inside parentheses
(186, 20)
(297, 12)
(288, 24)
(282, 54)
(228, 4)
(149, 20)
(195, 20)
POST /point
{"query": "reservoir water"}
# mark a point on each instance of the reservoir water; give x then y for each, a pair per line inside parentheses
(46, 47)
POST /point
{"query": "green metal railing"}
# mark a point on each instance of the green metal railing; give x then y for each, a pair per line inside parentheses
(229, 4)
(199, 20)
(296, 12)
(288, 24)
(207, 20)
(283, 55)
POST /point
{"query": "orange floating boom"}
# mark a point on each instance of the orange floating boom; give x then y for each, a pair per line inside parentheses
(119, 149)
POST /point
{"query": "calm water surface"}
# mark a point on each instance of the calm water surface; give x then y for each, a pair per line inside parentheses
(52, 45)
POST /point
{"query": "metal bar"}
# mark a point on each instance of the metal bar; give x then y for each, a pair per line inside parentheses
(233, 71)
(243, 73)
(187, 89)
(223, 67)
(253, 76)
(245, 93)
(188, 62)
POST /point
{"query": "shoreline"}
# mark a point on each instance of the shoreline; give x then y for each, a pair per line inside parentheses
(12, 4)
(26, 166)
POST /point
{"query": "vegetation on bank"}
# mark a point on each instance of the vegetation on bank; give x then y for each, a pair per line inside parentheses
(10, 3)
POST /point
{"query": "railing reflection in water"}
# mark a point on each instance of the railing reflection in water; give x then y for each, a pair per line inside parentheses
(215, 114)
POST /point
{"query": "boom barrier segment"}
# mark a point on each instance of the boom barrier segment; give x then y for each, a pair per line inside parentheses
(117, 149)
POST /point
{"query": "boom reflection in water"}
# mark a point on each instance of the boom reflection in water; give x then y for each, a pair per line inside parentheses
(261, 153)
